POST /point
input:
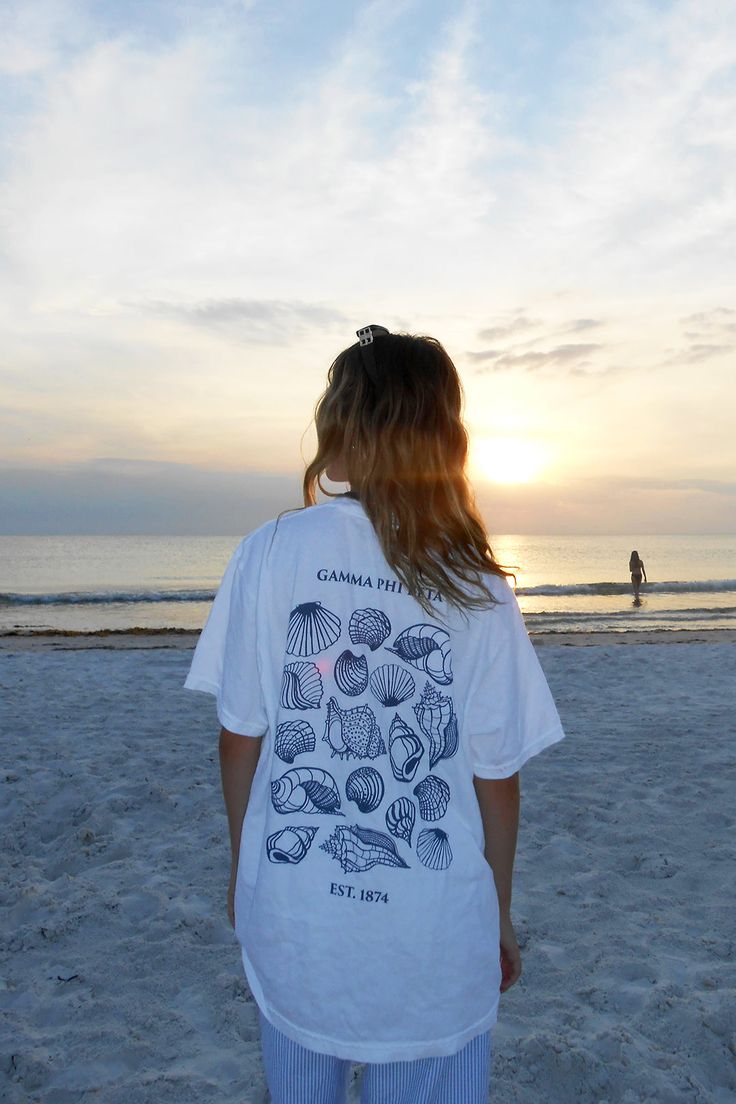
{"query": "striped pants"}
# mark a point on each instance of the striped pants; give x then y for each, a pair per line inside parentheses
(296, 1075)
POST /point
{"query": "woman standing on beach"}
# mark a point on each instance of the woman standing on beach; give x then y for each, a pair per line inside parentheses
(378, 694)
(636, 567)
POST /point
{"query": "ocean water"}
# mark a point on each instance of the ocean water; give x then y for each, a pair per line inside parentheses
(564, 583)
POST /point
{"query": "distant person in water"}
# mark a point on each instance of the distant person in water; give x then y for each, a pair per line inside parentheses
(636, 567)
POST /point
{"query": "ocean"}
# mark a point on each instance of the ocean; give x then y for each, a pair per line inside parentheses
(564, 583)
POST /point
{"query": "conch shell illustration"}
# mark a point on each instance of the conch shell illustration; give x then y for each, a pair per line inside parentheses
(290, 845)
(306, 790)
(294, 738)
(301, 686)
(353, 732)
(358, 849)
(436, 716)
(311, 629)
(426, 647)
(369, 626)
(405, 750)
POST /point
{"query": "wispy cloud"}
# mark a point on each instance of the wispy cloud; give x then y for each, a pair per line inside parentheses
(252, 320)
(561, 356)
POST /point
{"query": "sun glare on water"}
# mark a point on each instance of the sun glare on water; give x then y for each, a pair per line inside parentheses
(506, 459)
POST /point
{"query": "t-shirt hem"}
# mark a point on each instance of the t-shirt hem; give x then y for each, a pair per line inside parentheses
(227, 720)
(552, 736)
(361, 1051)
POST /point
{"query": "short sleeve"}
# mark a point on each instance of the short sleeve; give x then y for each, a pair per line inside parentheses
(225, 661)
(510, 713)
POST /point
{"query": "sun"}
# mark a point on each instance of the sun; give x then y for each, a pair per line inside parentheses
(506, 459)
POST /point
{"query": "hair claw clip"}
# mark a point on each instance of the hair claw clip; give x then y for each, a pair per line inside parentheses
(366, 334)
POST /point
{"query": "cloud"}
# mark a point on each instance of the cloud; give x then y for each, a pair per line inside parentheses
(581, 324)
(698, 353)
(508, 329)
(253, 321)
(559, 357)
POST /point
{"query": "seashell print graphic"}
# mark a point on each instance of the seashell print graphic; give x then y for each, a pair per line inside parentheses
(353, 732)
(400, 817)
(433, 849)
(405, 750)
(426, 647)
(294, 738)
(290, 845)
(358, 849)
(369, 626)
(306, 790)
(301, 686)
(311, 629)
(351, 673)
(391, 684)
(435, 714)
(433, 794)
(365, 787)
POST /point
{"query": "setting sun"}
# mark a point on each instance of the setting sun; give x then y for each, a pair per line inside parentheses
(506, 459)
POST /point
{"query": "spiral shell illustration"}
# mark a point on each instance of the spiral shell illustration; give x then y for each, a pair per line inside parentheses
(391, 684)
(400, 817)
(351, 673)
(369, 626)
(358, 849)
(312, 628)
(433, 795)
(405, 750)
(426, 647)
(290, 845)
(301, 686)
(306, 790)
(433, 849)
(353, 732)
(365, 787)
(294, 738)
(436, 716)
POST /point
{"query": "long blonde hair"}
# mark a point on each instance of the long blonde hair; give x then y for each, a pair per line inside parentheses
(396, 420)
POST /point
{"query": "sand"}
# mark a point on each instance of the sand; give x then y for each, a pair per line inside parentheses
(120, 977)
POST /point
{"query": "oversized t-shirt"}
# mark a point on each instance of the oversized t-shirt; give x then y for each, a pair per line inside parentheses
(366, 911)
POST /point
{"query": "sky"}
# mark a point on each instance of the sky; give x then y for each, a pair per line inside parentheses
(201, 202)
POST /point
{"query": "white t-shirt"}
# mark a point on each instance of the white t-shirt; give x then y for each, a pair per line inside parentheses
(365, 908)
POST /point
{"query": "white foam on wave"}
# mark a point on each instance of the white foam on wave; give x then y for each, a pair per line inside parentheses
(692, 586)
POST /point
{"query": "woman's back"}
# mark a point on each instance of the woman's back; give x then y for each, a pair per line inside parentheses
(364, 904)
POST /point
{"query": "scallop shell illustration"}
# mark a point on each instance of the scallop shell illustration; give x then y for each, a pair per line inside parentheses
(312, 628)
(353, 732)
(433, 794)
(301, 686)
(306, 790)
(433, 849)
(351, 673)
(426, 647)
(294, 738)
(391, 684)
(405, 750)
(365, 787)
(358, 849)
(369, 626)
(436, 716)
(400, 817)
(290, 845)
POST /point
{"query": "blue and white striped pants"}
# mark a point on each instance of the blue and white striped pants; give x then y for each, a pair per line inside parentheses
(296, 1075)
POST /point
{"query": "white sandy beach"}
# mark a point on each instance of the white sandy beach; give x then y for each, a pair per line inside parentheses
(120, 977)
